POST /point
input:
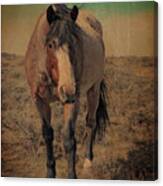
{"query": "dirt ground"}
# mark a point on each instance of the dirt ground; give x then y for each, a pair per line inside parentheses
(129, 148)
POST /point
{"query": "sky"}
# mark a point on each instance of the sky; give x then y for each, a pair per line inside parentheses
(128, 26)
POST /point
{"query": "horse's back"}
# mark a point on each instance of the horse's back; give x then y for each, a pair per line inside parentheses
(93, 50)
(89, 24)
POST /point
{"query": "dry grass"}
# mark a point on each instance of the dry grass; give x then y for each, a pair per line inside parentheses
(129, 148)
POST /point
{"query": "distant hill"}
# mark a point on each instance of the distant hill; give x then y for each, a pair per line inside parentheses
(9, 56)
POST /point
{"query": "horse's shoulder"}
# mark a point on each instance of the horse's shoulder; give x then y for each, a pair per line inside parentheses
(42, 26)
(38, 35)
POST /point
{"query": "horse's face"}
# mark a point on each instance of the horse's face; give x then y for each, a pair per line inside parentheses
(59, 50)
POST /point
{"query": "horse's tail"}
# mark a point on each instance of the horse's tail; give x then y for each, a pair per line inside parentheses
(102, 116)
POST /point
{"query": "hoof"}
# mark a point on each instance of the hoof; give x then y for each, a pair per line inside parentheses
(87, 164)
(72, 176)
(51, 174)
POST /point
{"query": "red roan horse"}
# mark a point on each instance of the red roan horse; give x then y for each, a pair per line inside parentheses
(64, 61)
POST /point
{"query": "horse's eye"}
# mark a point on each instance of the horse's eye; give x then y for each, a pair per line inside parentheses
(54, 44)
(50, 45)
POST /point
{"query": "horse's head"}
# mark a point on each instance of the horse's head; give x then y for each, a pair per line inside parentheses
(60, 43)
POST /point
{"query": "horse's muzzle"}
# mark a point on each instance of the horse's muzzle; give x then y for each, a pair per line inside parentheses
(65, 96)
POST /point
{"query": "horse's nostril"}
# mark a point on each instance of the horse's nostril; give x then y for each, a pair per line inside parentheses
(62, 94)
(62, 91)
(50, 45)
(70, 99)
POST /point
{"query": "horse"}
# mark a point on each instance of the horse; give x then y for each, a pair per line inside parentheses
(65, 61)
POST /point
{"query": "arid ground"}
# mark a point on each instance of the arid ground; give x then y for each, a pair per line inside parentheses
(129, 148)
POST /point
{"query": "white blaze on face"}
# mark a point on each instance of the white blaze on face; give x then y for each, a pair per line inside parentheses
(66, 74)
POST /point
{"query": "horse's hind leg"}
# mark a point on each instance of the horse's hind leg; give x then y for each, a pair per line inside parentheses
(92, 102)
(47, 131)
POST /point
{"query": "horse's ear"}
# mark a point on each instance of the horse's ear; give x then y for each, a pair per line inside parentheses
(74, 13)
(51, 14)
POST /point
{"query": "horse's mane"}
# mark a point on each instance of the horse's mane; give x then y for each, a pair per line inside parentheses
(64, 31)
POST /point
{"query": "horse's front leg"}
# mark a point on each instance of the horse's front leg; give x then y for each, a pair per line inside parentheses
(70, 116)
(47, 131)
